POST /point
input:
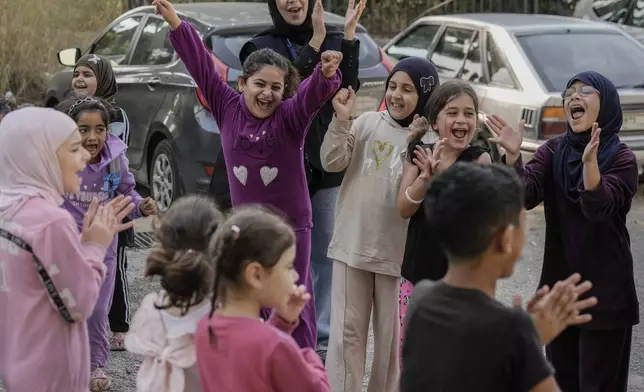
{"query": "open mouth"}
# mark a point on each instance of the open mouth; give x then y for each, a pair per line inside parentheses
(264, 104)
(577, 111)
(459, 133)
(294, 11)
(397, 105)
(80, 86)
(92, 149)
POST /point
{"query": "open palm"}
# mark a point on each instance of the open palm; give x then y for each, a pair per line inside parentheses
(590, 152)
(504, 135)
(352, 16)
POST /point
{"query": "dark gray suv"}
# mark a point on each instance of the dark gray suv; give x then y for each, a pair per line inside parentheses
(174, 143)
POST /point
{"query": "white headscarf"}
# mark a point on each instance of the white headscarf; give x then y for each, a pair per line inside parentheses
(29, 167)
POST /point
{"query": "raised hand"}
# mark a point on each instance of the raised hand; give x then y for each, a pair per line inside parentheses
(428, 161)
(352, 17)
(330, 63)
(101, 223)
(517, 301)
(167, 11)
(319, 28)
(560, 308)
(590, 152)
(506, 136)
(343, 103)
(418, 128)
(291, 310)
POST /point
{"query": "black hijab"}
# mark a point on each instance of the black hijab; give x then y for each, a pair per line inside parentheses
(106, 87)
(567, 165)
(299, 35)
(425, 78)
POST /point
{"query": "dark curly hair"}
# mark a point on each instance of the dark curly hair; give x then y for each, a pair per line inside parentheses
(262, 57)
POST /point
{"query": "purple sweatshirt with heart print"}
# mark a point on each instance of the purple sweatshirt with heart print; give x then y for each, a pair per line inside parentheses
(264, 157)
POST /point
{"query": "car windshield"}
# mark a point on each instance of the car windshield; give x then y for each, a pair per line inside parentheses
(227, 49)
(558, 57)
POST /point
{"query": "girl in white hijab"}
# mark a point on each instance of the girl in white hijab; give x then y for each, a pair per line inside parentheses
(50, 276)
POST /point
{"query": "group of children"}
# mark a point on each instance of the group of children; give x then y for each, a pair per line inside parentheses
(419, 210)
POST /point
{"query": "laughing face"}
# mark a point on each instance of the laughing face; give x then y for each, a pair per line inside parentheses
(293, 11)
(457, 122)
(581, 104)
(401, 96)
(93, 130)
(263, 91)
(72, 158)
(84, 81)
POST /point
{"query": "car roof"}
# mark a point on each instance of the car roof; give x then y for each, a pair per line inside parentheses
(221, 15)
(521, 24)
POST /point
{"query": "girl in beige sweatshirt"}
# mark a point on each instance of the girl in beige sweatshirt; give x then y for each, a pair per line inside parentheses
(368, 240)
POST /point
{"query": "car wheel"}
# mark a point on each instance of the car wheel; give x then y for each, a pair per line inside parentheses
(164, 178)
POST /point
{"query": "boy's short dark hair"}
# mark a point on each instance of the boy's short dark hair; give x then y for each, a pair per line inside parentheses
(469, 203)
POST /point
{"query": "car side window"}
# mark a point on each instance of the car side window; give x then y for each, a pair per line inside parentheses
(115, 44)
(450, 53)
(497, 65)
(416, 43)
(153, 46)
(473, 69)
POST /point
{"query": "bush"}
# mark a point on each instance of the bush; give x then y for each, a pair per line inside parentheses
(33, 31)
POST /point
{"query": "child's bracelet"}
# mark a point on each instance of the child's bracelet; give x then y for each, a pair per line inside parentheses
(409, 199)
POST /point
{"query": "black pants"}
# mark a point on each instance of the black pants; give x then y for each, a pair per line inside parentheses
(119, 315)
(591, 361)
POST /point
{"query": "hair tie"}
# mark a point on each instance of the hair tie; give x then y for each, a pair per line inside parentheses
(83, 100)
(236, 232)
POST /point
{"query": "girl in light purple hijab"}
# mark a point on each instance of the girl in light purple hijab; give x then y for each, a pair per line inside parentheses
(50, 275)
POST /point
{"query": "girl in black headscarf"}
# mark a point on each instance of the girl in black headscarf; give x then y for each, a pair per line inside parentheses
(94, 76)
(300, 34)
(586, 179)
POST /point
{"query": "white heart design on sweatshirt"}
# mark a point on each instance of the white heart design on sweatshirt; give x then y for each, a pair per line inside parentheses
(268, 174)
(241, 173)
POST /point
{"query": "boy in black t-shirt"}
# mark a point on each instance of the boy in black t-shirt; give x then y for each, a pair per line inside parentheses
(458, 337)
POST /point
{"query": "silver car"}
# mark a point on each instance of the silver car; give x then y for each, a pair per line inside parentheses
(519, 64)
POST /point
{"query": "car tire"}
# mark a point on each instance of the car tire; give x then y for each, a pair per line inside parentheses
(165, 186)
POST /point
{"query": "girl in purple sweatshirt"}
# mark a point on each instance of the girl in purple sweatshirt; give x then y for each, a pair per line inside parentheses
(105, 176)
(262, 133)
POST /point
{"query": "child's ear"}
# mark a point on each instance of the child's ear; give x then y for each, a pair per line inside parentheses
(253, 274)
(241, 83)
(507, 242)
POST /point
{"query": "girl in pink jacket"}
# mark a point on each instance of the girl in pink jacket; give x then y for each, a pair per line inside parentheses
(50, 276)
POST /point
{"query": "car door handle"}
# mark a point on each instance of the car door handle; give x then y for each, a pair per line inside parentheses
(154, 82)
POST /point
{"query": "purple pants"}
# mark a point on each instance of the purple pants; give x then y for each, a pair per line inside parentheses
(306, 334)
(97, 323)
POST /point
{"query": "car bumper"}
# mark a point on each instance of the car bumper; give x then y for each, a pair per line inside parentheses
(636, 145)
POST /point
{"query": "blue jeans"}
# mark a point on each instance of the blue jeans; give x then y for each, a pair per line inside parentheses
(323, 205)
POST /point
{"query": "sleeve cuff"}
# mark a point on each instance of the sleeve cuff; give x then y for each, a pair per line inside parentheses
(281, 324)
(343, 125)
(598, 194)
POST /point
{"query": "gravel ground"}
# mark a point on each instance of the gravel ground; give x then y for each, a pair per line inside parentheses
(123, 366)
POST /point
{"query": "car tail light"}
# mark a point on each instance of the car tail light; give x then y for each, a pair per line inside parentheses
(389, 65)
(553, 122)
(210, 170)
(222, 71)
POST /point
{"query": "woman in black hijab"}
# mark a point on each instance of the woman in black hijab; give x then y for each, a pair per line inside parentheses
(94, 77)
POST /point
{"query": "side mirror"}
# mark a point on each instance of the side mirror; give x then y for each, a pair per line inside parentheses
(69, 57)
